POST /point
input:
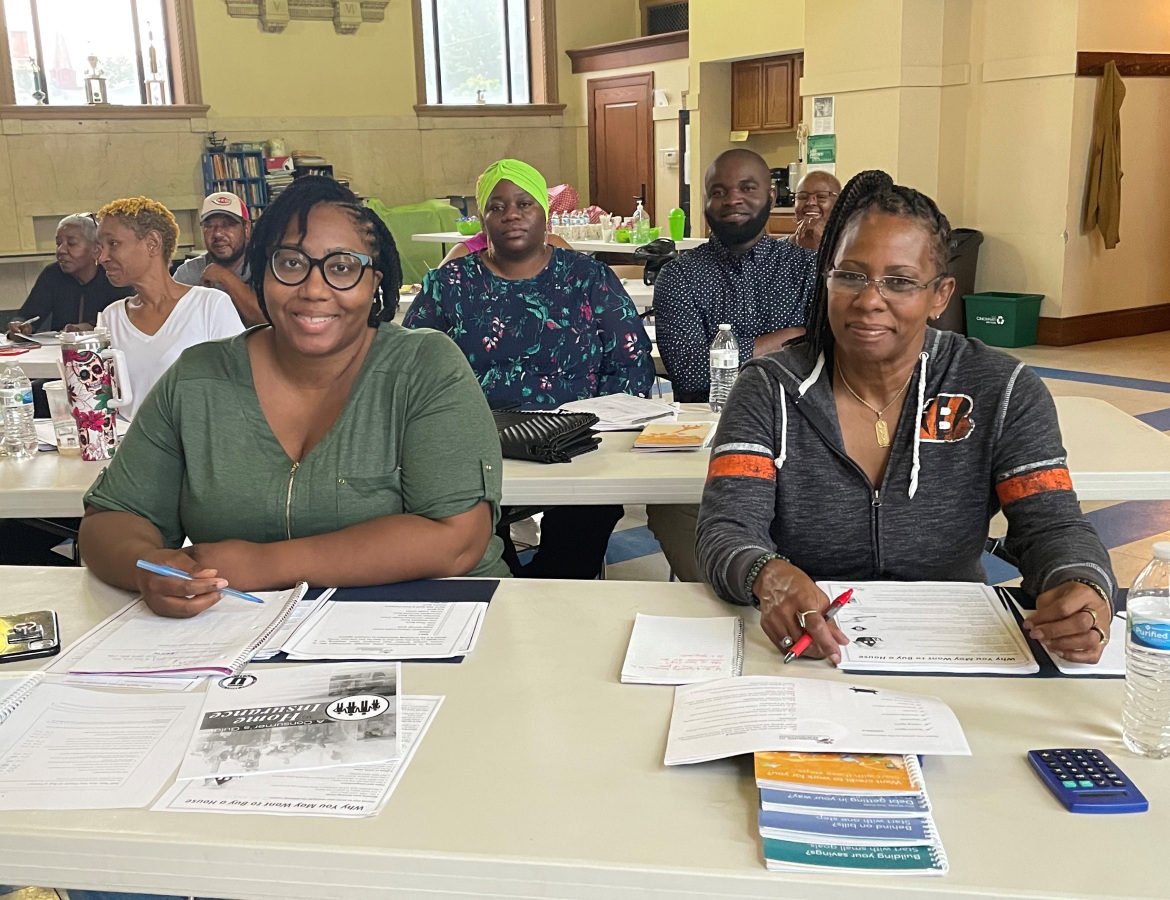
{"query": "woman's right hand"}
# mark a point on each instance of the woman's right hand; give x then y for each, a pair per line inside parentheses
(785, 591)
(178, 598)
(19, 328)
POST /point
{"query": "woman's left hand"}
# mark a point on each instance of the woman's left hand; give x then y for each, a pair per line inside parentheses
(242, 563)
(1066, 620)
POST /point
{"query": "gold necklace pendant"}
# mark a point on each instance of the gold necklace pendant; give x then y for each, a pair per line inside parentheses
(883, 433)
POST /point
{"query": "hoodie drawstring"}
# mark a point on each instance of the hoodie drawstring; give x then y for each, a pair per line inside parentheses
(801, 391)
(924, 356)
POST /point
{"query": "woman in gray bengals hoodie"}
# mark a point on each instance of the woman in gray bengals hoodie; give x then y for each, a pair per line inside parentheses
(878, 448)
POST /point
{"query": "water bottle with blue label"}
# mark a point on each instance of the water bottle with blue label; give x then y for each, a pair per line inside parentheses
(1145, 720)
(16, 400)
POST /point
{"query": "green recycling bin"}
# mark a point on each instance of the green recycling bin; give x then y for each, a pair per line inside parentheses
(1002, 319)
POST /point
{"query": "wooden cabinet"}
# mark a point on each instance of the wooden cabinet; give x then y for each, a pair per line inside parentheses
(765, 94)
(781, 223)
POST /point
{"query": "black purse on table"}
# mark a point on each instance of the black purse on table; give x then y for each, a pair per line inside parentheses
(545, 437)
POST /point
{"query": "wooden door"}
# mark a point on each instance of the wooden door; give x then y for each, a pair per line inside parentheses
(621, 142)
(778, 76)
(747, 96)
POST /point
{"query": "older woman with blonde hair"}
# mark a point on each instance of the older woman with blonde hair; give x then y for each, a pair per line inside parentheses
(163, 318)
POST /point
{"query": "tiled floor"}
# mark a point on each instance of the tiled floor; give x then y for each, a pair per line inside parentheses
(1131, 373)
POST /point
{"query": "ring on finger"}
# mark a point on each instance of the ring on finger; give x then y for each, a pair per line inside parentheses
(808, 612)
(786, 643)
(1101, 634)
(1091, 613)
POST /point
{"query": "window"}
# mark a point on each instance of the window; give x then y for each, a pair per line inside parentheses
(664, 16)
(494, 53)
(476, 51)
(143, 49)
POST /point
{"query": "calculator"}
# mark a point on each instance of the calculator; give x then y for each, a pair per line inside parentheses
(1087, 781)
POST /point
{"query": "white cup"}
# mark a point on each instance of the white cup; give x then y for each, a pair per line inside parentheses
(64, 425)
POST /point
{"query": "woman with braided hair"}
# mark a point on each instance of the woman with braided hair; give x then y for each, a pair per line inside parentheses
(876, 447)
(327, 446)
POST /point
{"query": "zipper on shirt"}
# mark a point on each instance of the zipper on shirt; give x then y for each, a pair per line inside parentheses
(875, 501)
(288, 501)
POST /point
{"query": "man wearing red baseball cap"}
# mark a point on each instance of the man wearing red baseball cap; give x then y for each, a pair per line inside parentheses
(226, 227)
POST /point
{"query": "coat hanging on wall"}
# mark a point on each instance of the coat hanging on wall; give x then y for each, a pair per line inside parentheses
(1103, 205)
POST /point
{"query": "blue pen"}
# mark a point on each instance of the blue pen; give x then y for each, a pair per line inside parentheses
(178, 573)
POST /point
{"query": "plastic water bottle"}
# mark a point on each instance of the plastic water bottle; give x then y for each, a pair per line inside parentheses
(20, 437)
(724, 366)
(641, 225)
(1145, 720)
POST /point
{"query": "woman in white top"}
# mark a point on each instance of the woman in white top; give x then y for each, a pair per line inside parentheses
(137, 239)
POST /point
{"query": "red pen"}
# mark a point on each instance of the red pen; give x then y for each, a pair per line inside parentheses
(806, 639)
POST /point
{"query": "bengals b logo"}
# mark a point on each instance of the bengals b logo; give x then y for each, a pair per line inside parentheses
(947, 417)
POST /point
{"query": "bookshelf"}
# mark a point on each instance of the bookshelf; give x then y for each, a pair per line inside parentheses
(239, 171)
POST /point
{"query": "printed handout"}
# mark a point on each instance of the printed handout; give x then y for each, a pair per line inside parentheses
(744, 715)
(296, 718)
(71, 747)
(349, 791)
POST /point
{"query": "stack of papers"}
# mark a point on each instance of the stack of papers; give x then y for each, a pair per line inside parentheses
(746, 715)
(677, 650)
(656, 438)
(390, 630)
(846, 812)
(622, 412)
(940, 627)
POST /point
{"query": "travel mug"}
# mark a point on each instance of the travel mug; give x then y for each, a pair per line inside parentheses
(678, 223)
(95, 389)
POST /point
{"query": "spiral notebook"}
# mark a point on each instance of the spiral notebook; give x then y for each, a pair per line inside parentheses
(683, 650)
(220, 640)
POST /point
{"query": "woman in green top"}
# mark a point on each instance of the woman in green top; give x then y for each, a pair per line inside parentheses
(319, 448)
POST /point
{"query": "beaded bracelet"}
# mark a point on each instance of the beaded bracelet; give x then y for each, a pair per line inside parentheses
(754, 573)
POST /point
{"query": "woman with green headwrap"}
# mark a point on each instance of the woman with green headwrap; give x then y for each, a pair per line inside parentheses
(540, 326)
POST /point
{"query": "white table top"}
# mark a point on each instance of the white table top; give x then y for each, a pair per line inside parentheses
(454, 237)
(39, 362)
(1111, 455)
(542, 776)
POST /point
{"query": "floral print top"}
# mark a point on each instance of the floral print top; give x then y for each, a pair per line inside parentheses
(569, 333)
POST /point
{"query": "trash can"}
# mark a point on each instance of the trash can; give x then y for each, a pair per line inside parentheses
(1003, 319)
(962, 259)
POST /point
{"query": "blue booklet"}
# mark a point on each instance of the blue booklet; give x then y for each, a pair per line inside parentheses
(822, 801)
(865, 830)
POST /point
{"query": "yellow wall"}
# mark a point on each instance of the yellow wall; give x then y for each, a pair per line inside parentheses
(586, 23)
(1129, 26)
(308, 69)
(1136, 272)
(721, 31)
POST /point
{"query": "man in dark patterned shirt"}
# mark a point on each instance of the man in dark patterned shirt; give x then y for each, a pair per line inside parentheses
(741, 277)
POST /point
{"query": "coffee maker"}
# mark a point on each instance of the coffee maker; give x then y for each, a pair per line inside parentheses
(780, 183)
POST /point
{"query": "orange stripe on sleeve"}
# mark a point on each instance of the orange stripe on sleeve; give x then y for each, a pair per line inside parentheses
(1031, 483)
(742, 464)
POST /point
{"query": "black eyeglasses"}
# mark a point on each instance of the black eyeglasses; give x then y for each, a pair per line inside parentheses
(341, 270)
(822, 196)
(892, 287)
